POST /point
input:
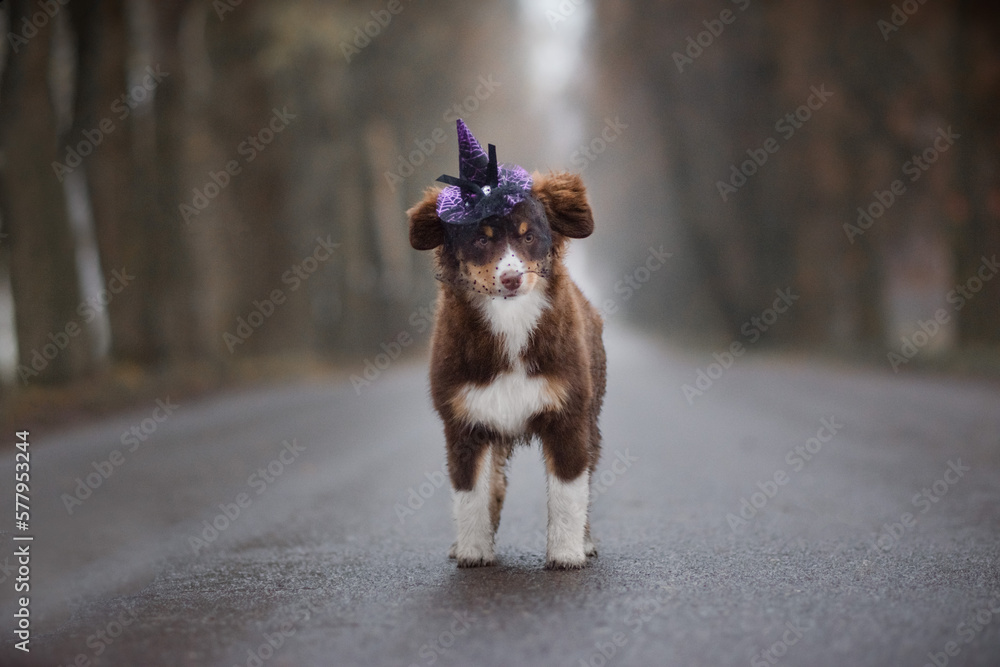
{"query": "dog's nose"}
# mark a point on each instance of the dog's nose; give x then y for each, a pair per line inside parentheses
(511, 280)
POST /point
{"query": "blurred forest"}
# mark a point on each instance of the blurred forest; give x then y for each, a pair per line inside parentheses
(220, 181)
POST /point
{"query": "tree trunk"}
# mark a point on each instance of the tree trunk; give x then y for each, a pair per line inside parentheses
(53, 340)
(256, 134)
(103, 51)
(174, 294)
(978, 233)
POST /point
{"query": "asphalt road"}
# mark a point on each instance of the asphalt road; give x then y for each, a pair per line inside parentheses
(726, 535)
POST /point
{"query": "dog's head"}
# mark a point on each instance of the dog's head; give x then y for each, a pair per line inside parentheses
(505, 255)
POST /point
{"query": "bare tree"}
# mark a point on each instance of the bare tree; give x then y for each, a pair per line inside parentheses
(105, 107)
(175, 297)
(53, 342)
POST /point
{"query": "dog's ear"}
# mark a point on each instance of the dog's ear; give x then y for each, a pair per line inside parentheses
(565, 201)
(426, 228)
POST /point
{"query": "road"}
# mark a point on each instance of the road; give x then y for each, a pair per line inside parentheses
(796, 513)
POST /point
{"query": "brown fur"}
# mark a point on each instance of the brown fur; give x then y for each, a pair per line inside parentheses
(565, 348)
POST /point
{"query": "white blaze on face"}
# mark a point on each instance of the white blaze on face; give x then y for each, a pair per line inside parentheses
(508, 264)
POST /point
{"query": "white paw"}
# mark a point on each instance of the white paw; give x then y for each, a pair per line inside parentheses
(565, 559)
(474, 555)
(453, 550)
(589, 548)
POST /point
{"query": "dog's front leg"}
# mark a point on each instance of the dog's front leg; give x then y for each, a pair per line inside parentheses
(567, 521)
(566, 463)
(471, 477)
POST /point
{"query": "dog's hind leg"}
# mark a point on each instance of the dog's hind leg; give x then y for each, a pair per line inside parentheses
(498, 483)
(589, 548)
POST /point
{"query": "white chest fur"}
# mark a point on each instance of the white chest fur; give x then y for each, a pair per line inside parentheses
(509, 400)
(514, 319)
(513, 397)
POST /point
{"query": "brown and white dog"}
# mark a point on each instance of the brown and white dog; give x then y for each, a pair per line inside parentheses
(516, 353)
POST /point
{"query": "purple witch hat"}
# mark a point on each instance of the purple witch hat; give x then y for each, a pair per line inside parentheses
(483, 188)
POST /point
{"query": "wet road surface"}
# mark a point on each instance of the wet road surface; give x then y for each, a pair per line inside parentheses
(794, 513)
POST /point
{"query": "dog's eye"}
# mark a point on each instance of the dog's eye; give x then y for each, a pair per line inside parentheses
(482, 241)
(529, 237)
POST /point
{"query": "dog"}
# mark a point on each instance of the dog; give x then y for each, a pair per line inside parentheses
(516, 350)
